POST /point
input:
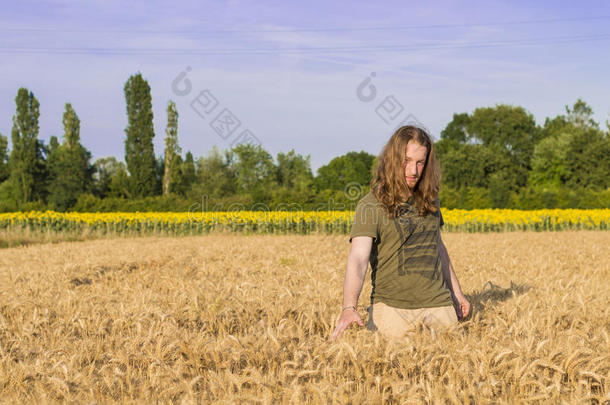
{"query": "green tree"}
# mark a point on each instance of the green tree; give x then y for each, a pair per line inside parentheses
(487, 152)
(454, 134)
(294, 171)
(499, 190)
(52, 157)
(555, 126)
(345, 169)
(469, 165)
(120, 184)
(474, 166)
(186, 174)
(172, 149)
(26, 161)
(255, 172)
(70, 170)
(105, 169)
(215, 177)
(294, 178)
(4, 169)
(581, 115)
(457, 129)
(549, 166)
(587, 160)
(374, 165)
(508, 128)
(52, 148)
(139, 149)
(573, 152)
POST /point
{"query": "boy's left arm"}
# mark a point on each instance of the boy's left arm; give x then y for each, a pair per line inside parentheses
(461, 303)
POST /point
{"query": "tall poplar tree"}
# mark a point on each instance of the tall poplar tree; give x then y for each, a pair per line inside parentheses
(27, 152)
(172, 150)
(70, 169)
(139, 149)
(4, 171)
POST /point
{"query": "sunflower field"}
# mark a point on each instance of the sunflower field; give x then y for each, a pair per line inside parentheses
(293, 222)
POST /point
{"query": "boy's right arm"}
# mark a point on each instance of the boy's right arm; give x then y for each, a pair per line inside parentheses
(357, 263)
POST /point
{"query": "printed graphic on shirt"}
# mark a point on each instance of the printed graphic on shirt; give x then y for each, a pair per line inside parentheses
(418, 252)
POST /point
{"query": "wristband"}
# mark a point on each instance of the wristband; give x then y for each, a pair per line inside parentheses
(348, 307)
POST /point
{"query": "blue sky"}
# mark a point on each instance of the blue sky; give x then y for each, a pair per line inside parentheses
(289, 71)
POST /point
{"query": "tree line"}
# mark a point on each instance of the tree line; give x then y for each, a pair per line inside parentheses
(496, 157)
(499, 157)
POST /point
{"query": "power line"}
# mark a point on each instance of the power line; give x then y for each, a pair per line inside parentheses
(305, 50)
(282, 30)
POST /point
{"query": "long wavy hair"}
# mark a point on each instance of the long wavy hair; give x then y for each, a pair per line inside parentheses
(389, 184)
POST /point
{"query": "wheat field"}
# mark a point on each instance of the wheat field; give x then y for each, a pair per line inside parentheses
(246, 319)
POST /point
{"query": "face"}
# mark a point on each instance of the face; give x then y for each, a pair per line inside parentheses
(414, 163)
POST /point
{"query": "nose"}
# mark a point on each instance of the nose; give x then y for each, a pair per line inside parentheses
(412, 169)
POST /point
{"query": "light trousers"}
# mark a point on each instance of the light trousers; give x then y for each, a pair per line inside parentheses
(395, 322)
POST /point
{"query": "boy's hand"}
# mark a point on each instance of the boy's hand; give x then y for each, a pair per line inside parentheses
(348, 316)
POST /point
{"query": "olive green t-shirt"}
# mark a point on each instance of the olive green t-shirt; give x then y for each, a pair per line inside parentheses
(405, 260)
